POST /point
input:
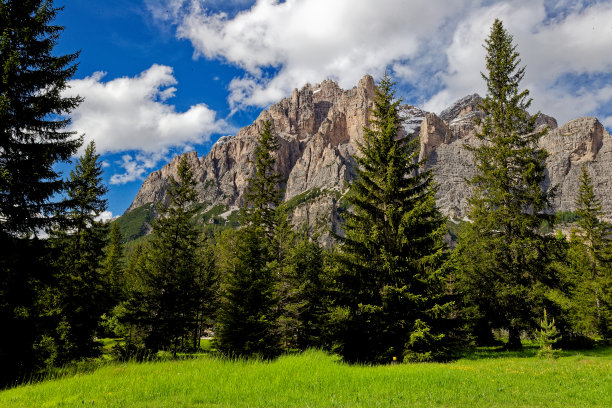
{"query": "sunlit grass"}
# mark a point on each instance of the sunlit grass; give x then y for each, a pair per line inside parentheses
(315, 379)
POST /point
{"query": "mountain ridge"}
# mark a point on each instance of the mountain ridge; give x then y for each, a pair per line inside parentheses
(319, 127)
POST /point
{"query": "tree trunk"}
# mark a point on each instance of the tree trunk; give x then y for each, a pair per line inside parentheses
(514, 339)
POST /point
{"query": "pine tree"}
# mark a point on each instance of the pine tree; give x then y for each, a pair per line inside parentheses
(81, 286)
(389, 263)
(32, 140)
(502, 251)
(167, 304)
(247, 323)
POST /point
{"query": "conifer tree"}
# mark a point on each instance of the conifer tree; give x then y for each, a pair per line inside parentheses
(32, 122)
(247, 323)
(113, 265)
(502, 251)
(263, 195)
(81, 287)
(32, 140)
(167, 304)
(305, 295)
(389, 263)
(590, 265)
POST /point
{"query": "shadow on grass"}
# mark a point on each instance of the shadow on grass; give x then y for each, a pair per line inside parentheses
(530, 351)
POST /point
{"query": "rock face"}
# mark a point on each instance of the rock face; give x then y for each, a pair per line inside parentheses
(319, 127)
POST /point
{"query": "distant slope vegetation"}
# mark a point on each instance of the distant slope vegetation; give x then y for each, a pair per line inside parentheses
(135, 224)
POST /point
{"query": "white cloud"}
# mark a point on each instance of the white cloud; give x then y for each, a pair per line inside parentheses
(435, 46)
(577, 43)
(105, 216)
(137, 167)
(309, 40)
(132, 113)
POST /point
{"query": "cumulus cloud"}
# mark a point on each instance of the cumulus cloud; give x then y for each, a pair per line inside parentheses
(435, 46)
(557, 52)
(105, 216)
(137, 166)
(132, 113)
(308, 40)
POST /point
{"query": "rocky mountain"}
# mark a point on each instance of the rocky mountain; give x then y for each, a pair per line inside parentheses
(319, 127)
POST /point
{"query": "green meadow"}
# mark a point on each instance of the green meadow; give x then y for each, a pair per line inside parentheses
(315, 379)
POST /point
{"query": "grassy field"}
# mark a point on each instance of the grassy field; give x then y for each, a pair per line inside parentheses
(315, 379)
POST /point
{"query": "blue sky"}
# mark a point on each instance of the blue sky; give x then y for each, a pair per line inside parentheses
(160, 77)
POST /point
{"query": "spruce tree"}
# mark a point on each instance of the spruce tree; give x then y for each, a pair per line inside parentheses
(263, 195)
(167, 303)
(247, 323)
(81, 288)
(590, 261)
(502, 251)
(32, 140)
(32, 115)
(305, 295)
(113, 265)
(391, 287)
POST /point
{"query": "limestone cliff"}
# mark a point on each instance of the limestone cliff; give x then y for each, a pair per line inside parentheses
(319, 127)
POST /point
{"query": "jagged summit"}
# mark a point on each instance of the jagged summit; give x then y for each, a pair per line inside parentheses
(462, 108)
(319, 127)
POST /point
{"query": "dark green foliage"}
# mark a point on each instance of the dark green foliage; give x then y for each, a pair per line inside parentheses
(81, 294)
(263, 194)
(32, 135)
(211, 221)
(304, 288)
(32, 140)
(587, 272)
(133, 224)
(566, 217)
(390, 282)
(113, 267)
(24, 275)
(172, 291)
(306, 196)
(502, 252)
(247, 323)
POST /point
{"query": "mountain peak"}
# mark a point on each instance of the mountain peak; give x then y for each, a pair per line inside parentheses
(319, 128)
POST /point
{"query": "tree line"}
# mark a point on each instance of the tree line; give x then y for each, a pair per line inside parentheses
(390, 289)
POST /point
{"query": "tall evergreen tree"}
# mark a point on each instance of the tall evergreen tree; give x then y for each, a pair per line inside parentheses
(305, 297)
(247, 323)
(390, 257)
(502, 250)
(113, 265)
(32, 122)
(590, 266)
(166, 306)
(32, 140)
(263, 195)
(81, 288)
